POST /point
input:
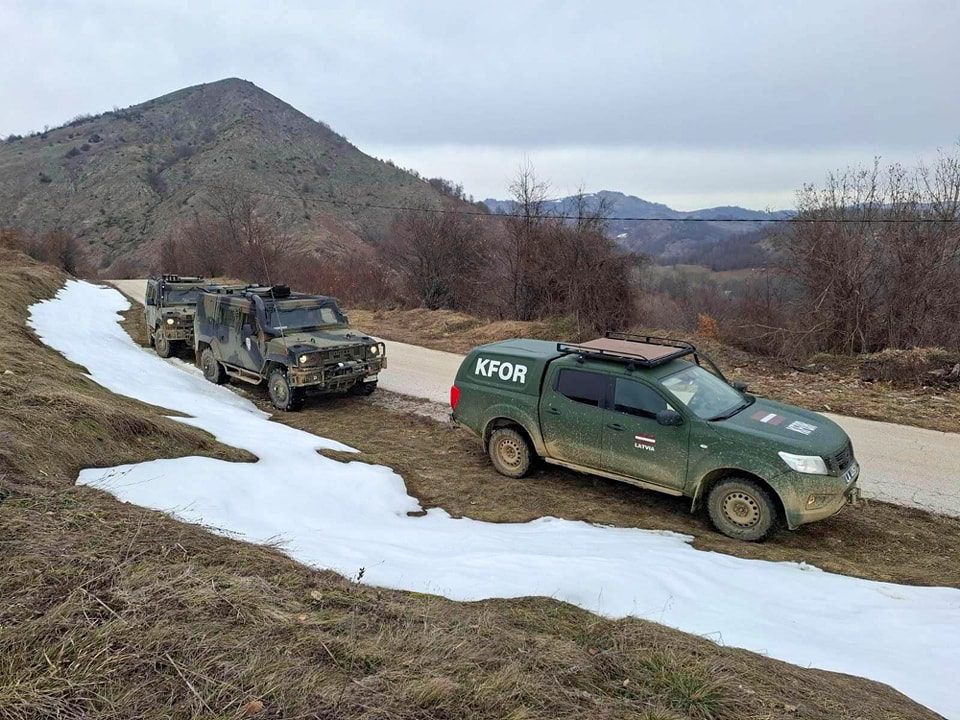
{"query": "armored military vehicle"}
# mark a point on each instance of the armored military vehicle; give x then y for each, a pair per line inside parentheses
(655, 413)
(168, 311)
(298, 344)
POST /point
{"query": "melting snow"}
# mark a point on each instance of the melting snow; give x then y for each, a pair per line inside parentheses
(347, 516)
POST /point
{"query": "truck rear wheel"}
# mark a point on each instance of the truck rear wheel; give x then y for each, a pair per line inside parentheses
(212, 370)
(161, 344)
(510, 453)
(282, 395)
(742, 509)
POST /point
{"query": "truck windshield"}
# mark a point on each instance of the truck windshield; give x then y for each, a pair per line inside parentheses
(302, 318)
(173, 296)
(704, 393)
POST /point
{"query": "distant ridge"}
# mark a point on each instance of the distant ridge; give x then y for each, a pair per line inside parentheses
(670, 242)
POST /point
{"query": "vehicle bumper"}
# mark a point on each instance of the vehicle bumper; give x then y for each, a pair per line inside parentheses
(814, 500)
(176, 333)
(333, 378)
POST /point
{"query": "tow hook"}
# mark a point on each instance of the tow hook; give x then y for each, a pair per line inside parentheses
(854, 498)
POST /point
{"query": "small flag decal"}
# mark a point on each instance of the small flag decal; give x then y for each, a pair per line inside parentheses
(644, 442)
(767, 417)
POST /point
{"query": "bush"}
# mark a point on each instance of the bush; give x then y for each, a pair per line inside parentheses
(917, 366)
(72, 153)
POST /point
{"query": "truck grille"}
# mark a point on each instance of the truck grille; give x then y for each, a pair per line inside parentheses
(839, 462)
(350, 353)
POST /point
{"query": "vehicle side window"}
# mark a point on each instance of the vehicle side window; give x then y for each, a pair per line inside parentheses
(581, 386)
(636, 398)
(229, 316)
(247, 320)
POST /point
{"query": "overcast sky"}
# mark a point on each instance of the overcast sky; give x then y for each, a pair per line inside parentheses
(688, 103)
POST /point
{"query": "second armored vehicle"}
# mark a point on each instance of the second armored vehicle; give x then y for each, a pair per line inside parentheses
(297, 344)
(168, 311)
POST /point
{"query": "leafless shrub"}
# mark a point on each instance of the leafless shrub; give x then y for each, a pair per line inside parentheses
(440, 258)
(872, 261)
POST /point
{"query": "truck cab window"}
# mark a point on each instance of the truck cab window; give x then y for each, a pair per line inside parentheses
(636, 398)
(581, 386)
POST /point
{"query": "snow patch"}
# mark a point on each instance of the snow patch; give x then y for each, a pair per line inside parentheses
(347, 516)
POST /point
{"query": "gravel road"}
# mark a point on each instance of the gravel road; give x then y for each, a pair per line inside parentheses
(901, 464)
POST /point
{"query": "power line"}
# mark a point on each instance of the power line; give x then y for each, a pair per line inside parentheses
(480, 213)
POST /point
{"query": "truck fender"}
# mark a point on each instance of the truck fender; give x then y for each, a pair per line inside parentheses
(276, 359)
(705, 480)
(512, 414)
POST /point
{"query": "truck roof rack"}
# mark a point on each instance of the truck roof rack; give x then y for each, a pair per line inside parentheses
(274, 291)
(182, 278)
(641, 350)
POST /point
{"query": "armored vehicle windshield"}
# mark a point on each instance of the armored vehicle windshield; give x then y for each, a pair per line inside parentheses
(303, 315)
(181, 296)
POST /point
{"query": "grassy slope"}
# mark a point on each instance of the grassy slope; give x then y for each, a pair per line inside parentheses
(112, 611)
(834, 387)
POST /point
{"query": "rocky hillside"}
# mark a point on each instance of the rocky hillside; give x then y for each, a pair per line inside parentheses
(124, 179)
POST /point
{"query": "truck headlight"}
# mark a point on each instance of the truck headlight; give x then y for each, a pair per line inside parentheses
(169, 321)
(809, 464)
(303, 359)
(374, 349)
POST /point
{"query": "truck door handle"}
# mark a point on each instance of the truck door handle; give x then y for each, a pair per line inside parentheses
(553, 411)
(616, 426)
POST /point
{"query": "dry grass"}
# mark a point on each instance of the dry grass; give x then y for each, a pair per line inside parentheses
(151, 618)
(53, 420)
(825, 384)
(112, 611)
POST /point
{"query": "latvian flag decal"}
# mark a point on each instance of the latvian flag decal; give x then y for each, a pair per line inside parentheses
(647, 442)
(767, 417)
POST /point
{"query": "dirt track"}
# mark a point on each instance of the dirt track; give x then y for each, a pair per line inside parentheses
(901, 464)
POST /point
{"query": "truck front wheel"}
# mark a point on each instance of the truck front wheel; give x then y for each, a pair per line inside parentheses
(282, 395)
(161, 344)
(743, 509)
(510, 453)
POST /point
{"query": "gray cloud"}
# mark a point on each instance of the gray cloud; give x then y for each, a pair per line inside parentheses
(615, 85)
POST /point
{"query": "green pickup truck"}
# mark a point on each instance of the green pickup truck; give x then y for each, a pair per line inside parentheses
(657, 414)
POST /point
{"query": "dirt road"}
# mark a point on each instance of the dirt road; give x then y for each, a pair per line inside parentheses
(901, 464)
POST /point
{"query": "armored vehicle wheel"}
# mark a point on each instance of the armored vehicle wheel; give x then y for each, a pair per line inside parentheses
(510, 453)
(742, 509)
(283, 396)
(163, 346)
(212, 370)
(364, 388)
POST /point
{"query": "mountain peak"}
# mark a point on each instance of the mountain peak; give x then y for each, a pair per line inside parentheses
(125, 179)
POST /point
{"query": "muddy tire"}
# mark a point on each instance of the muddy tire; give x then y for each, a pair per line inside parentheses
(163, 346)
(510, 453)
(282, 395)
(364, 388)
(743, 509)
(212, 370)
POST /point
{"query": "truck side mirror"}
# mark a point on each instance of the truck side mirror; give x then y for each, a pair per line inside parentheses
(669, 417)
(739, 386)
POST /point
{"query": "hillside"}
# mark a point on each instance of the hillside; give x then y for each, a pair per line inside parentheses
(711, 240)
(124, 179)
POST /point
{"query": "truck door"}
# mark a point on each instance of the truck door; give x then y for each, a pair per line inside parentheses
(571, 415)
(635, 444)
(251, 350)
(149, 305)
